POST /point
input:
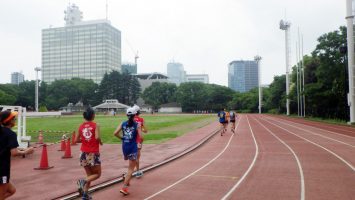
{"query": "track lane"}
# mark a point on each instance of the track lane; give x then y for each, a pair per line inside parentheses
(338, 129)
(207, 183)
(277, 173)
(345, 153)
(338, 137)
(326, 176)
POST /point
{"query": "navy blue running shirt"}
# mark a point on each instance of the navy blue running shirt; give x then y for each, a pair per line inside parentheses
(8, 141)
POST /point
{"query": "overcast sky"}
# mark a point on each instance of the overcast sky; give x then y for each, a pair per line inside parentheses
(203, 35)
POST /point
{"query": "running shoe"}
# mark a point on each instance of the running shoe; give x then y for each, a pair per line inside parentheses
(81, 183)
(139, 174)
(124, 191)
(86, 197)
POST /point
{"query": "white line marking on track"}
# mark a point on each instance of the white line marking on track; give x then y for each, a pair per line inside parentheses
(295, 155)
(329, 151)
(311, 132)
(348, 136)
(193, 173)
(249, 169)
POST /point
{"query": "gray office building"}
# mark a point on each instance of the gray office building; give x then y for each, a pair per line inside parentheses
(176, 73)
(17, 78)
(83, 49)
(243, 75)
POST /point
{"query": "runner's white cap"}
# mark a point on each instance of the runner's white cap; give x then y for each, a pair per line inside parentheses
(131, 111)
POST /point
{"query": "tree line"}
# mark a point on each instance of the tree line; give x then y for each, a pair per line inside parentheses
(59, 93)
(326, 87)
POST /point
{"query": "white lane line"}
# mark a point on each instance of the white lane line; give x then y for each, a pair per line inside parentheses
(329, 151)
(311, 132)
(193, 173)
(296, 157)
(249, 169)
(332, 132)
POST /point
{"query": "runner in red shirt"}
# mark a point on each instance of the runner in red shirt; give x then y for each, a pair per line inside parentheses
(89, 132)
(143, 128)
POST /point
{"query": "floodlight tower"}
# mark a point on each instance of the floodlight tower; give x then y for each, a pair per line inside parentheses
(257, 59)
(350, 41)
(284, 25)
(37, 69)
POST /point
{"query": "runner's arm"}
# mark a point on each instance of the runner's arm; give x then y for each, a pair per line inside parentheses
(77, 135)
(97, 133)
(17, 152)
(116, 133)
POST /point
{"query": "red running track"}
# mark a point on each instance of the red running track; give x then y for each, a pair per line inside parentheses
(268, 158)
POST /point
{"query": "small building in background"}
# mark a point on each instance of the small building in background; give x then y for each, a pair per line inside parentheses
(17, 78)
(147, 79)
(170, 108)
(203, 78)
(111, 106)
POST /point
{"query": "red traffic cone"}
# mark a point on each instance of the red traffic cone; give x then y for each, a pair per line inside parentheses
(40, 137)
(73, 142)
(44, 160)
(62, 145)
(67, 153)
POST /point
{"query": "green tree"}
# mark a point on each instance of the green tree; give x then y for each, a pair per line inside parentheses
(328, 90)
(123, 87)
(159, 93)
(192, 96)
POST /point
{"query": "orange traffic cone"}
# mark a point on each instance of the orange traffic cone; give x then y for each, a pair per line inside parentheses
(73, 142)
(67, 153)
(44, 160)
(40, 137)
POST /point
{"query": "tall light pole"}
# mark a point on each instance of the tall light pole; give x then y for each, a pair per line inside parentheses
(37, 69)
(350, 41)
(284, 25)
(257, 59)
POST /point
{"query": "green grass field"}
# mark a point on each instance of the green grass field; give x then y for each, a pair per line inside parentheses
(160, 127)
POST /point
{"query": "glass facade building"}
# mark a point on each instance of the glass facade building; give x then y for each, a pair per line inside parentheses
(176, 73)
(243, 75)
(83, 49)
(17, 78)
(129, 68)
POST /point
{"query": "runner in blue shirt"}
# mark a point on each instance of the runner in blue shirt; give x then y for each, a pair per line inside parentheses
(128, 132)
(222, 120)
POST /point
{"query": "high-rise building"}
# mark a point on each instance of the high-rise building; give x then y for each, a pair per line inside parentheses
(83, 49)
(203, 78)
(129, 68)
(176, 73)
(243, 75)
(17, 78)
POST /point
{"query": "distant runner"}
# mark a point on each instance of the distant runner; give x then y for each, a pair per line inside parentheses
(8, 148)
(222, 120)
(89, 132)
(232, 117)
(128, 136)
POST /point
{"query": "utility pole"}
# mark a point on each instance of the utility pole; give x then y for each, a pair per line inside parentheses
(257, 60)
(37, 69)
(350, 41)
(284, 25)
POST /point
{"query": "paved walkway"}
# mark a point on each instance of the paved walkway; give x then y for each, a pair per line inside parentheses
(61, 180)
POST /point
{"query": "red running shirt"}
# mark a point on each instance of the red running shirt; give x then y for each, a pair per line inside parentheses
(89, 143)
(140, 122)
